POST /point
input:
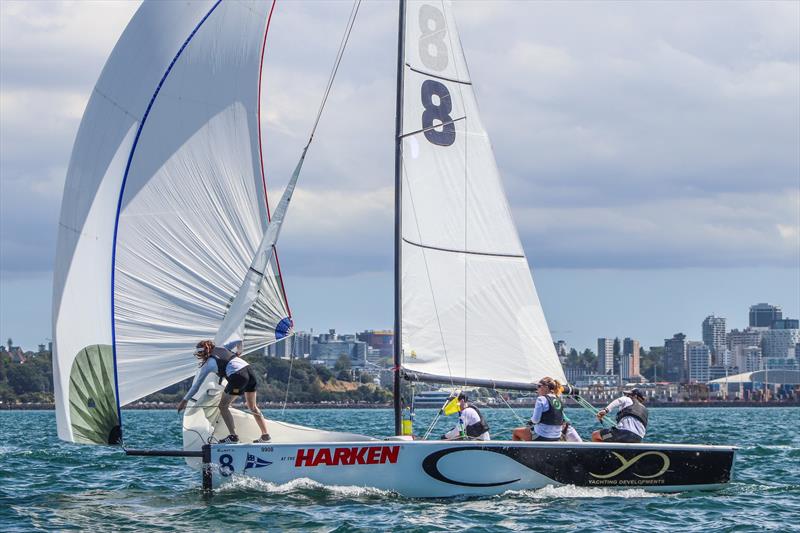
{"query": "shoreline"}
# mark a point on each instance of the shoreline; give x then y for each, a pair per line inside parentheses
(275, 406)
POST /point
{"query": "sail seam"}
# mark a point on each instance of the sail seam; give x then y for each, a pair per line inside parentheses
(443, 78)
(469, 252)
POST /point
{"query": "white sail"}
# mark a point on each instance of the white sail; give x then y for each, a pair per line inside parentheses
(163, 210)
(470, 310)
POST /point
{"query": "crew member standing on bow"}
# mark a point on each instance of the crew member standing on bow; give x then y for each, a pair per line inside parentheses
(548, 414)
(241, 381)
(471, 423)
(631, 419)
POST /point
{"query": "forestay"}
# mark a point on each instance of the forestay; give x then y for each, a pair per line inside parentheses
(470, 310)
(163, 210)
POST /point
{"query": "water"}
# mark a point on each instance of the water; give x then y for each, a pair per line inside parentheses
(48, 484)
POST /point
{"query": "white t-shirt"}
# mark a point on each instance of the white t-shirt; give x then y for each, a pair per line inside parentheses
(629, 423)
(210, 367)
(467, 417)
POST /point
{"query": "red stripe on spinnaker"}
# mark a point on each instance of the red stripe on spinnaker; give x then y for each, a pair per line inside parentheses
(261, 152)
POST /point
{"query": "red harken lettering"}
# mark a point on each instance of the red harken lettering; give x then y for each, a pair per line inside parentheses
(369, 455)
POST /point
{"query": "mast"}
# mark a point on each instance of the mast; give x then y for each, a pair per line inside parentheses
(398, 193)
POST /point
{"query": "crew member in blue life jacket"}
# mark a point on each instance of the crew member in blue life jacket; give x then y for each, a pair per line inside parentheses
(631, 419)
(471, 423)
(548, 414)
(241, 381)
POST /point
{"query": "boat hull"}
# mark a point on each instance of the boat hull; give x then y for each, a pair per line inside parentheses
(443, 469)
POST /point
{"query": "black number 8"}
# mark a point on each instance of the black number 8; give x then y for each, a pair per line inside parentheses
(440, 112)
(226, 465)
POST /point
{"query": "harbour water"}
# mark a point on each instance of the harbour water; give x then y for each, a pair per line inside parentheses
(46, 484)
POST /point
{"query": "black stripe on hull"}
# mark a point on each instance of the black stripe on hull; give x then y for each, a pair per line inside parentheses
(605, 467)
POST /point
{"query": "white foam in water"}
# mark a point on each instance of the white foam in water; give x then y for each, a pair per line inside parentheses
(571, 491)
(251, 483)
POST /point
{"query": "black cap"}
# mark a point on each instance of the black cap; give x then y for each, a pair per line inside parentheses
(634, 392)
(462, 396)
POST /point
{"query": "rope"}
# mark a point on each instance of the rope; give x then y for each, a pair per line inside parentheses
(288, 383)
(519, 418)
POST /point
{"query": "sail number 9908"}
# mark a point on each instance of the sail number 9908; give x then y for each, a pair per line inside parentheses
(433, 53)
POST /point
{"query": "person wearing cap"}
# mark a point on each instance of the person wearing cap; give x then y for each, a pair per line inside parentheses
(631, 419)
(241, 381)
(471, 423)
(548, 414)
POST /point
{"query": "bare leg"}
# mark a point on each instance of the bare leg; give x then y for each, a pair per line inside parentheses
(596, 436)
(225, 411)
(250, 399)
(521, 434)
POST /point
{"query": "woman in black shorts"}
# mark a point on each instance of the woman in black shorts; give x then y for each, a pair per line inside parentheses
(241, 381)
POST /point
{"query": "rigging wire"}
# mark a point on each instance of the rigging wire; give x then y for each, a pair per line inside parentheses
(342, 45)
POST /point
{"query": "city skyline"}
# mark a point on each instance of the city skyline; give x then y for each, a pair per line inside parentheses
(665, 193)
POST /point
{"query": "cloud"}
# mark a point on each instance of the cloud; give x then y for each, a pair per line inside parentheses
(628, 136)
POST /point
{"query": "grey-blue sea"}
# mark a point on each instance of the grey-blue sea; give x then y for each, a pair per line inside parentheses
(46, 484)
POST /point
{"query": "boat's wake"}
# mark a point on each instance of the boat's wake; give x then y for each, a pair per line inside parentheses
(571, 491)
(301, 485)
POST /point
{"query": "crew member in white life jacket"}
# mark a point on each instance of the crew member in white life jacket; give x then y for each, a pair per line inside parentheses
(241, 381)
(631, 419)
(471, 423)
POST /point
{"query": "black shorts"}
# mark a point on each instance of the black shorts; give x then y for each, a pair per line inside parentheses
(619, 435)
(240, 382)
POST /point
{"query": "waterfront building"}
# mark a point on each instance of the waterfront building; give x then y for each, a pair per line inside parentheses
(281, 349)
(574, 374)
(720, 371)
(747, 358)
(331, 347)
(779, 343)
(714, 336)
(381, 340)
(780, 363)
(605, 356)
(698, 357)
(561, 350)
(675, 365)
(763, 315)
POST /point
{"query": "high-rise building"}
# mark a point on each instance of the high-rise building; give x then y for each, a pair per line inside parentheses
(302, 343)
(748, 358)
(331, 347)
(763, 315)
(605, 356)
(675, 366)
(629, 364)
(779, 343)
(714, 336)
(282, 348)
(699, 360)
(746, 337)
(561, 349)
(786, 323)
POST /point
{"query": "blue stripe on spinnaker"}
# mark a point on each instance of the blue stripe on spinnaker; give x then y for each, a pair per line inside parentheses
(122, 193)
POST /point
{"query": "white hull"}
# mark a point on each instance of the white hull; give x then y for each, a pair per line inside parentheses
(443, 469)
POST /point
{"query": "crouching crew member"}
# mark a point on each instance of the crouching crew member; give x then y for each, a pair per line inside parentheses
(631, 419)
(470, 421)
(241, 381)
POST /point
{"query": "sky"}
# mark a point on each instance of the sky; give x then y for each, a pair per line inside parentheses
(650, 152)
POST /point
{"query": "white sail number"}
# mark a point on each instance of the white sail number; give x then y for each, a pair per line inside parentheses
(433, 53)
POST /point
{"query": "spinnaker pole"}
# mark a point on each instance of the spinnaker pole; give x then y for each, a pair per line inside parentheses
(398, 198)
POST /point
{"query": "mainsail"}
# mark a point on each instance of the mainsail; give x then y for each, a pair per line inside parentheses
(470, 311)
(164, 208)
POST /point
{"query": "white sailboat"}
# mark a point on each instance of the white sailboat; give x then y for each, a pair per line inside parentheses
(164, 240)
